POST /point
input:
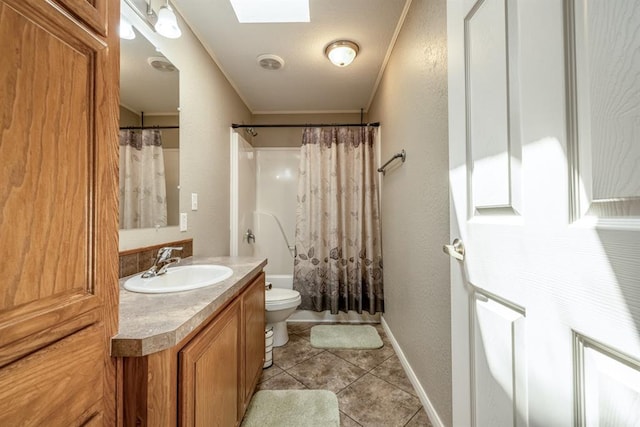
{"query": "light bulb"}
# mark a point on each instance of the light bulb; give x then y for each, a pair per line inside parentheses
(167, 24)
(342, 56)
(342, 53)
(126, 30)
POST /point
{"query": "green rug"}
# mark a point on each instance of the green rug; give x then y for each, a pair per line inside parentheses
(345, 336)
(292, 408)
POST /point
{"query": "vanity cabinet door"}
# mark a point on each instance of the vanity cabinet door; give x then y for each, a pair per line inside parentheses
(209, 379)
(253, 337)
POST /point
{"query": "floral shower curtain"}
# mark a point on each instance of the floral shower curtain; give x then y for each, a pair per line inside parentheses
(338, 265)
(143, 195)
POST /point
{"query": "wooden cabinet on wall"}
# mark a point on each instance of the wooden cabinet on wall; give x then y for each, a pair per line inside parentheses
(207, 379)
(58, 211)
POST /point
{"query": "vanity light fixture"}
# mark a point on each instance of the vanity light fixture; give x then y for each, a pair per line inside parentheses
(126, 30)
(342, 52)
(167, 24)
(164, 22)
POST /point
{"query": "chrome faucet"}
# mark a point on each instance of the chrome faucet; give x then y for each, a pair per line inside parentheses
(162, 262)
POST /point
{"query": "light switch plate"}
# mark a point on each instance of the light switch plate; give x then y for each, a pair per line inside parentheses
(194, 201)
(183, 221)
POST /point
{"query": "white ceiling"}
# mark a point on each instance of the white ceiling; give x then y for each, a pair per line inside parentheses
(308, 82)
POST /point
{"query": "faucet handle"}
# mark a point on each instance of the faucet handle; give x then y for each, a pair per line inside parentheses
(165, 252)
(171, 248)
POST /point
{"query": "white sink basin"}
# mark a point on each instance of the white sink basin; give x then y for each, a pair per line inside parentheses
(178, 279)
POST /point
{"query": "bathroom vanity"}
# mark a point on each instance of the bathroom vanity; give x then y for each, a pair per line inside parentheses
(193, 358)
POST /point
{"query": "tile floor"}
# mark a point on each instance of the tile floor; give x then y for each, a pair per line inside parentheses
(372, 388)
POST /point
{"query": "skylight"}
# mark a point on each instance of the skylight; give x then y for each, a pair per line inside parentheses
(264, 11)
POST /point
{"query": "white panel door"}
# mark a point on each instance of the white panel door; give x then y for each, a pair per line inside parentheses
(243, 196)
(544, 113)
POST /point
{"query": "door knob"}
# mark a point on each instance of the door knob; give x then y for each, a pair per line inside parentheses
(251, 238)
(455, 249)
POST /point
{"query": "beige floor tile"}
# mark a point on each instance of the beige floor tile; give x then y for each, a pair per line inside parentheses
(346, 421)
(365, 359)
(282, 381)
(420, 420)
(270, 372)
(295, 351)
(326, 371)
(371, 401)
(372, 388)
(391, 370)
(299, 328)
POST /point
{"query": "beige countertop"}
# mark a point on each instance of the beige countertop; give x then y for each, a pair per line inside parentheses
(154, 322)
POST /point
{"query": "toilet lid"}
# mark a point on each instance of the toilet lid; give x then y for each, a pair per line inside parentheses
(281, 295)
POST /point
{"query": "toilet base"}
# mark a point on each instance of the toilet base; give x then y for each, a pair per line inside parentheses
(280, 333)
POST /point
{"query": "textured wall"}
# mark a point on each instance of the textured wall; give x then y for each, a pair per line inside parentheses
(208, 106)
(411, 103)
(170, 137)
(128, 117)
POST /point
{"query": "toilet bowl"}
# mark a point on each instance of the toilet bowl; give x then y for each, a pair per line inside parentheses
(279, 305)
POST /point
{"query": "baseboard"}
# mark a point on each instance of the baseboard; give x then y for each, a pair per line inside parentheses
(422, 395)
(326, 316)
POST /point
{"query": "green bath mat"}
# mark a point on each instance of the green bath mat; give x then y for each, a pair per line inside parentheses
(345, 336)
(293, 408)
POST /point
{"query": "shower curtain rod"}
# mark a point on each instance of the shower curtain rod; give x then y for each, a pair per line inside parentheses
(148, 127)
(307, 125)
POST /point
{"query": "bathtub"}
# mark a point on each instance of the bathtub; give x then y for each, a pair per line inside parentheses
(285, 281)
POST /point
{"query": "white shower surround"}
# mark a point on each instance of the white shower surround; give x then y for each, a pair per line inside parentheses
(276, 190)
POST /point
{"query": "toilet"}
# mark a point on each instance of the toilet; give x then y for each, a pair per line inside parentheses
(279, 305)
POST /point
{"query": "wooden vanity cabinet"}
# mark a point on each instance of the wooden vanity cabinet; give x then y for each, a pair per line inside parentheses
(253, 310)
(209, 374)
(209, 378)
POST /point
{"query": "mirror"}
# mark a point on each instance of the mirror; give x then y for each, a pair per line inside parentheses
(149, 136)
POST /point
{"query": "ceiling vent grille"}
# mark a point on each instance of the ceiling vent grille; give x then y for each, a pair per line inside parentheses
(270, 62)
(161, 63)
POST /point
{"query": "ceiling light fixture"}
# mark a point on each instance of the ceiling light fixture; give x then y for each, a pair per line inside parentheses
(167, 24)
(342, 52)
(126, 30)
